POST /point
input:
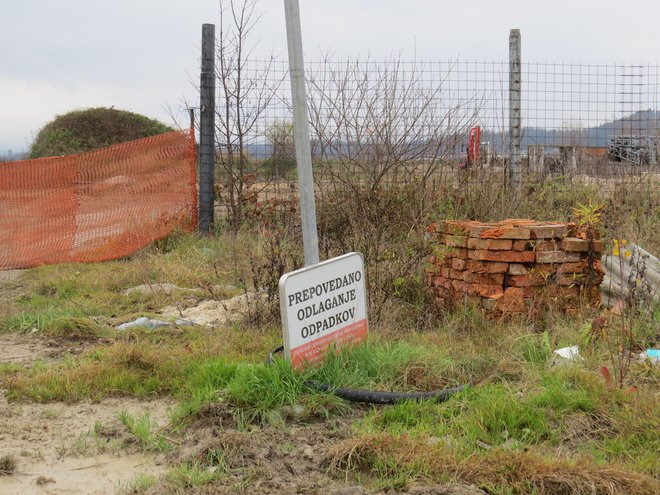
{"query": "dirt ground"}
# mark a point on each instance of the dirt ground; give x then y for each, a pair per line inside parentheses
(56, 446)
(84, 449)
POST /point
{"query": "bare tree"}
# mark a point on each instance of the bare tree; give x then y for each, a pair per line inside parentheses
(245, 92)
(384, 121)
(381, 132)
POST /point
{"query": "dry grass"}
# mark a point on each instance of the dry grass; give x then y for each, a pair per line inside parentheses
(7, 465)
(521, 472)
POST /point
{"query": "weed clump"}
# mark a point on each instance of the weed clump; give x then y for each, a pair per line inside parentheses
(7, 465)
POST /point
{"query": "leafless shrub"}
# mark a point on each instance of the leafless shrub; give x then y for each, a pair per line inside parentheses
(241, 105)
(384, 122)
(381, 132)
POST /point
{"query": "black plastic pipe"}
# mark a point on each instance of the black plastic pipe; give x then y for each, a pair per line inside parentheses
(375, 396)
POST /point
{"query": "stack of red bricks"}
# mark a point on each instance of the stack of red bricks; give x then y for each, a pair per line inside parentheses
(509, 265)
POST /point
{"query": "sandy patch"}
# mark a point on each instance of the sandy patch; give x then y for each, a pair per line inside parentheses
(59, 450)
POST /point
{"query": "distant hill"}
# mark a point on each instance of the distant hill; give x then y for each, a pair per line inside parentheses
(643, 123)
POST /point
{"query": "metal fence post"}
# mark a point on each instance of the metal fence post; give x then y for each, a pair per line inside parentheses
(301, 132)
(514, 107)
(207, 129)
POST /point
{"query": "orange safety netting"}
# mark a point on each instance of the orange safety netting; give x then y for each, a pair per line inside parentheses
(96, 206)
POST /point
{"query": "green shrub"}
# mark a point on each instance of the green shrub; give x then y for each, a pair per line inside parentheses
(85, 130)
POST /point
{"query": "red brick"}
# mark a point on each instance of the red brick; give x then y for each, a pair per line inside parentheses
(491, 278)
(456, 274)
(512, 301)
(476, 230)
(529, 291)
(483, 278)
(493, 244)
(571, 291)
(445, 272)
(502, 256)
(519, 281)
(434, 260)
(581, 245)
(575, 267)
(557, 292)
(438, 280)
(549, 231)
(543, 274)
(523, 245)
(505, 233)
(556, 256)
(458, 263)
(591, 293)
(454, 227)
(574, 244)
(458, 285)
(487, 266)
(598, 267)
(546, 245)
(568, 279)
(455, 241)
(487, 290)
(517, 269)
(461, 253)
(582, 234)
(471, 289)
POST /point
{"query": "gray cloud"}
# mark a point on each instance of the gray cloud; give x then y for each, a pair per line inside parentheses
(141, 54)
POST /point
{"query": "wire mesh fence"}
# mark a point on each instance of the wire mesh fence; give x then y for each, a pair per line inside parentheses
(440, 122)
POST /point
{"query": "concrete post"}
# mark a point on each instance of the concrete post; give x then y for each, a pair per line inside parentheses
(536, 154)
(301, 132)
(514, 107)
(207, 129)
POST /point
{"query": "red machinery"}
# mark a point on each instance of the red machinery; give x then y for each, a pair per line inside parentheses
(474, 146)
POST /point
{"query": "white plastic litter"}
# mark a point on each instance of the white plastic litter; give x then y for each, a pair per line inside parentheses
(566, 356)
(145, 322)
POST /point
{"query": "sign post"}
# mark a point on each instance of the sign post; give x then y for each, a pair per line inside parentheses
(323, 304)
(301, 132)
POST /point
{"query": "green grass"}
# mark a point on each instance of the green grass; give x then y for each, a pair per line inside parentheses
(145, 431)
(520, 428)
(488, 415)
(565, 411)
(139, 484)
(181, 479)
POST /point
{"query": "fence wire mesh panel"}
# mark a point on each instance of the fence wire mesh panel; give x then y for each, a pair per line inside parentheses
(442, 124)
(96, 206)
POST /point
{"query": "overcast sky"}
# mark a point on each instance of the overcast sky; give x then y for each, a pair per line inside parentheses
(141, 55)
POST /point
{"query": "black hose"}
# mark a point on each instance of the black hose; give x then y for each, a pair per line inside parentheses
(374, 396)
(270, 359)
(377, 397)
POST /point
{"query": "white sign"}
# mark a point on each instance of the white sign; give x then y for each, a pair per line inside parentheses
(322, 304)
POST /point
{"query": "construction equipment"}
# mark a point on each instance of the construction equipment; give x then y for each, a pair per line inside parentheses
(639, 150)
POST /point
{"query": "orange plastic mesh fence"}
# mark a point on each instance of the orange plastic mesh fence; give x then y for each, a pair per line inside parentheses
(96, 206)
